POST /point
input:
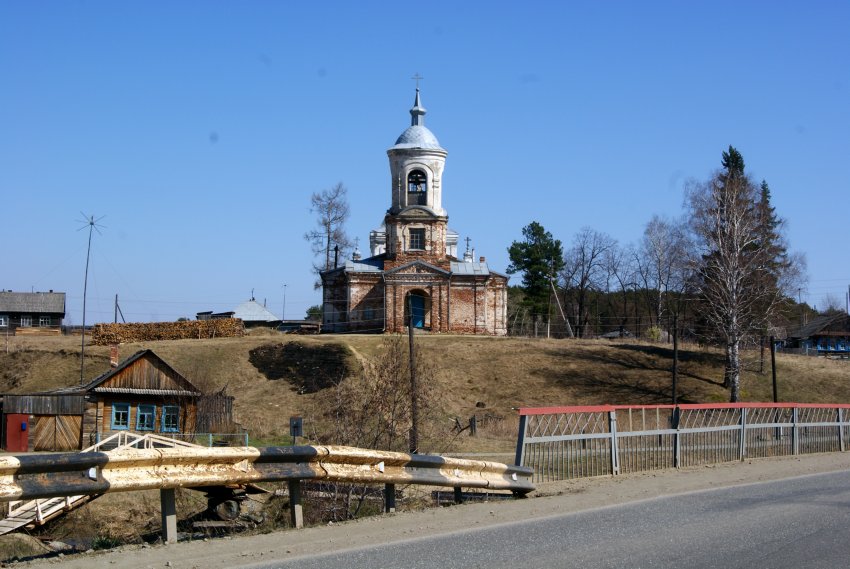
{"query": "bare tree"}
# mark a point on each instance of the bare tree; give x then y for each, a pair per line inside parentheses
(374, 411)
(621, 268)
(585, 270)
(739, 296)
(661, 256)
(332, 211)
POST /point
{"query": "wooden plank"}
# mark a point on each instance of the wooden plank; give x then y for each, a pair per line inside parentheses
(44, 433)
(68, 432)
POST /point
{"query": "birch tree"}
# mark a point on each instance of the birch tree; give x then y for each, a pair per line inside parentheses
(733, 267)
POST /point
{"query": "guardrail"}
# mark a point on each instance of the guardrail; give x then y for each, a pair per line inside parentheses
(93, 473)
(571, 442)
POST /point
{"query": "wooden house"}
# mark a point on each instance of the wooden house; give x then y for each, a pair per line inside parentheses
(31, 312)
(142, 394)
(825, 336)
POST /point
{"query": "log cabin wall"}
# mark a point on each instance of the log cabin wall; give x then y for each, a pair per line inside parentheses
(103, 413)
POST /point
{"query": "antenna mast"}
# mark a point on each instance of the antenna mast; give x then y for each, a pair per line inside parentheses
(91, 223)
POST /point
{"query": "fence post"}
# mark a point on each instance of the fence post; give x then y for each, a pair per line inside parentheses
(520, 440)
(841, 429)
(677, 445)
(458, 495)
(742, 447)
(389, 498)
(795, 435)
(296, 510)
(168, 511)
(615, 458)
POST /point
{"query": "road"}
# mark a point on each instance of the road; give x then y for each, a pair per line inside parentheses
(715, 517)
(799, 522)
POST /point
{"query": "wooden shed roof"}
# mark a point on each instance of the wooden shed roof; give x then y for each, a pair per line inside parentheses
(97, 384)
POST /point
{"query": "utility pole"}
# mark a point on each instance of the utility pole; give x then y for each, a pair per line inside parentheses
(115, 318)
(283, 314)
(414, 404)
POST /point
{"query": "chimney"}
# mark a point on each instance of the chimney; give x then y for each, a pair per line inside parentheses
(482, 259)
(113, 355)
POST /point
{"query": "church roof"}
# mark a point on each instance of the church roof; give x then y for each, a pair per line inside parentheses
(472, 269)
(371, 265)
(417, 135)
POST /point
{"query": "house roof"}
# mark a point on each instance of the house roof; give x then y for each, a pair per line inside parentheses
(253, 311)
(95, 384)
(818, 324)
(44, 302)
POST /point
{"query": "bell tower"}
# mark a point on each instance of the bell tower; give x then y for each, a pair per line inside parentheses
(415, 223)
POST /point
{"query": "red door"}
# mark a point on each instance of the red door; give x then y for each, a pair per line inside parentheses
(17, 431)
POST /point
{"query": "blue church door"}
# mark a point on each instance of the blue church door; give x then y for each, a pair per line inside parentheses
(417, 307)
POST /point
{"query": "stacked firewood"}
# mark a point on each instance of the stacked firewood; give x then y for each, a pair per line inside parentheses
(106, 334)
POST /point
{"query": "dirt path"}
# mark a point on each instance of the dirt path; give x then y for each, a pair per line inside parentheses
(550, 499)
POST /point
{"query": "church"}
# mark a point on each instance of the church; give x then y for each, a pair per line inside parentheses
(413, 269)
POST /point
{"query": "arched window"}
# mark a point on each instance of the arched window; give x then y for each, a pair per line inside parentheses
(417, 188)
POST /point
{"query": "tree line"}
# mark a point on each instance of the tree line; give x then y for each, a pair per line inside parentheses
(721, 273)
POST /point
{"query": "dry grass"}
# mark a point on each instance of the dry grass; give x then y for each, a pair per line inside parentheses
(487, 377)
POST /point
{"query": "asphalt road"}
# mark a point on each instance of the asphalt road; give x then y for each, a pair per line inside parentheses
(794, 523)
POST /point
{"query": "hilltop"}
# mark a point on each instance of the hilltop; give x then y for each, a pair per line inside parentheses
(274, 375)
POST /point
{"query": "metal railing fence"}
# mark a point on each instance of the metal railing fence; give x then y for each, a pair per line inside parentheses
(560, 443)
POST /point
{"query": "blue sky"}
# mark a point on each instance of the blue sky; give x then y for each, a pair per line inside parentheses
(198, 130)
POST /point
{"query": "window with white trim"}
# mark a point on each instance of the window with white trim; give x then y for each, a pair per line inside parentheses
(417, 239)
(4, 321)
(26, 321)
(145, 417)
(120, 416)
(43, 321)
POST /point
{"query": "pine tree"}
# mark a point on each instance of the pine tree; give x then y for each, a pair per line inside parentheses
(539, 257)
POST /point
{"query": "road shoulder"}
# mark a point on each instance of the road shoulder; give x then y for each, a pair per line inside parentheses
(550, 499)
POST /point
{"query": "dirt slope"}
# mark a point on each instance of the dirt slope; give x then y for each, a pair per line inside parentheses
(274, 376)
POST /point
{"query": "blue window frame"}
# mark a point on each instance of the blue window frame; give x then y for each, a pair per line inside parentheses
(170, 419)
(120, 416)
(145, 417)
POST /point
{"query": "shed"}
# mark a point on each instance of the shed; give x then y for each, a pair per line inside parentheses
(142, 394)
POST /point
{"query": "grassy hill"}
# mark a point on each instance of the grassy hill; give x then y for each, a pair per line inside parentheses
(274, 376)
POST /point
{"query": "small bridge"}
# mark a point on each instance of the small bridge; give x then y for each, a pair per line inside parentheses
(39, 511)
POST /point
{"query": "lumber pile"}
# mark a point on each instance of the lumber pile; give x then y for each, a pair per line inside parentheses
(107, 334)
(38, 332)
